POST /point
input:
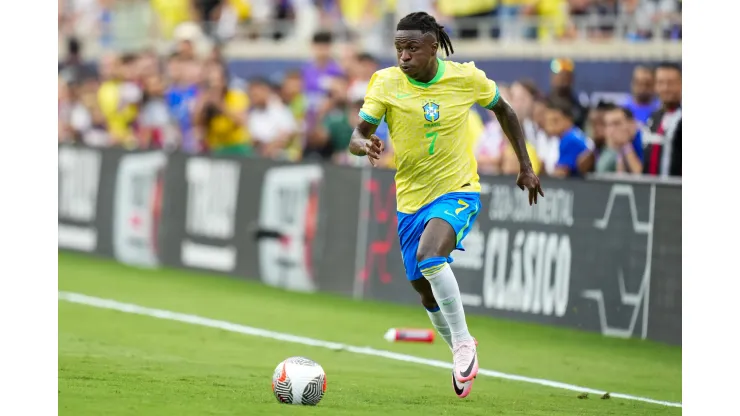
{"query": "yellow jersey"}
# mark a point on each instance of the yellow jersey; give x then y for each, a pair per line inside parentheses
(171, 13)
(356, 11)
(222, 131)
(118, 118)
(428, 125)
(462, 8)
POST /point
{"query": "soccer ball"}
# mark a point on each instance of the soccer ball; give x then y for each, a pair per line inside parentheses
(298, 380)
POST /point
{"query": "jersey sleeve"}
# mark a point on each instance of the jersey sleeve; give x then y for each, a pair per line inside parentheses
(373, 109)
(485, 90)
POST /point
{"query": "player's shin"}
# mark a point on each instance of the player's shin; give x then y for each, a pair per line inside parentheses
(440, 324)
(447, 293)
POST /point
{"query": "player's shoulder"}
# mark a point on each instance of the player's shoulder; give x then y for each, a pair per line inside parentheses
(387, 74)
(462, 68)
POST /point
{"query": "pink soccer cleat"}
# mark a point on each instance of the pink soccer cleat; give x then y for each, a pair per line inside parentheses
(462, 389)
(465, 358)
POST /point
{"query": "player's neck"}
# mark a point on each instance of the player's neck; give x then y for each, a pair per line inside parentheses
(430, 73)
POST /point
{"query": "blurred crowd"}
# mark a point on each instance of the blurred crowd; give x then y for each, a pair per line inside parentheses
(193, 104)
(188, 101)
(640, 135)
(370, 21)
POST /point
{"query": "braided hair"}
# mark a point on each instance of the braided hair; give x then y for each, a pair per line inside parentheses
(426, 23)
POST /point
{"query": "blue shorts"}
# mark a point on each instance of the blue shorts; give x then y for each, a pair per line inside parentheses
(459, 209)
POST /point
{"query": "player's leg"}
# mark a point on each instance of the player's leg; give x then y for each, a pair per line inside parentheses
(410, 227)
(424, 289)
(449, 220)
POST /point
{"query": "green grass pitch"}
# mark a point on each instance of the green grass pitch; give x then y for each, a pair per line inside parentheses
(115, 363)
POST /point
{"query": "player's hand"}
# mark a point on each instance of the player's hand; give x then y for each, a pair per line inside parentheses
(527, 179)
(373, 148)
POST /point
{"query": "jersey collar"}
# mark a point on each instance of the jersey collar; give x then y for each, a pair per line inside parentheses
(437, 77)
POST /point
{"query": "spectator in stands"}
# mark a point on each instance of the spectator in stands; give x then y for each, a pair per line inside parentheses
(86, 120)
(491, 142)
(147, 65)
(561, 89)
(157, 129)
(73, 69)
(510, 12)
(553, 19)
(180, 97)
(363, 20)
(596, 126)
(510, 162)
(523, 94)
(333, 106)
(599, 16)
(559, 122)
(663, 152)
(404, 7)
(464, 10)
(291, 92)
(270, 122)
(119, 97)
(317, 74)
(64, 107)
(596, 131)
(366, 67)
(220, 114)
(333, 135)
(348, 59)
(548, 147)
(643, 102)
(649, 15)
(208, 13)
(171, 13)
(621, 150)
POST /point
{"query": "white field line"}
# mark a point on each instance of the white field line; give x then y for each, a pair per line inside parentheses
(243, 329)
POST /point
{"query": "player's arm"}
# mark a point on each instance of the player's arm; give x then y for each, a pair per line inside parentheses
(486, 94)
(364, 141)
(510, 125)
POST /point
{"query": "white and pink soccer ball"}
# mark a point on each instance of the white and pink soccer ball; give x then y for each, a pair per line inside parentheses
(300, 381)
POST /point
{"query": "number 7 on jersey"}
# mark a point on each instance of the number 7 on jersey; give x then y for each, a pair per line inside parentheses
(433, 135)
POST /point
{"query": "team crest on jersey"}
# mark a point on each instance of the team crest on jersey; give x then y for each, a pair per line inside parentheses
(431, 111)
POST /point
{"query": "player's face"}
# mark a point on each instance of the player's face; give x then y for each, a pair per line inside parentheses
(415, 52)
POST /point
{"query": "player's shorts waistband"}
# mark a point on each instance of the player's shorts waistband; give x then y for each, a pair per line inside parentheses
(447, 195)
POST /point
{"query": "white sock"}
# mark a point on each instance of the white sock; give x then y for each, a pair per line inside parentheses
(440, 324)
(447, 294)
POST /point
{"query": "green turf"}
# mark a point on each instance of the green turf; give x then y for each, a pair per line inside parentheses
(114, 363)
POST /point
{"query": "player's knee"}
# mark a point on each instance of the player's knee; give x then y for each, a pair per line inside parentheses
(426, 252)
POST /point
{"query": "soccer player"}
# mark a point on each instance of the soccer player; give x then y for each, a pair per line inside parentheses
(425, 101)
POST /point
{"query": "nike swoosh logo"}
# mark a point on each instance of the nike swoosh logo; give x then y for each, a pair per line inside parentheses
(399, 95)
(458, 391)
(450, 214)
(470, 368)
